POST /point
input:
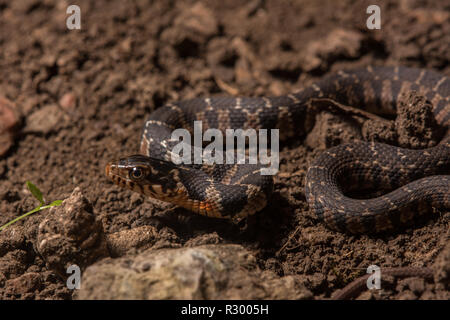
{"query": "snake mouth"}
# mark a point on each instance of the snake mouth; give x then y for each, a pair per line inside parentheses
(115, 174)
(108, 169)
(118, 174)
(111, 170)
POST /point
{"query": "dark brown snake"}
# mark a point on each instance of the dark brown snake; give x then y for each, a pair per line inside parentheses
(418, 180)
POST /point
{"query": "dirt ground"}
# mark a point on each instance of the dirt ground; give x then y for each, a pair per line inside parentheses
(81, 96)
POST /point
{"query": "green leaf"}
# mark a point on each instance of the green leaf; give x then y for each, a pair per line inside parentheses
(35, 192)
(21, 217)
(55, 203)
(38, 195)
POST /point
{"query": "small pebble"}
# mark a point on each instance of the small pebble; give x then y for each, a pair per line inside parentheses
(68, 101)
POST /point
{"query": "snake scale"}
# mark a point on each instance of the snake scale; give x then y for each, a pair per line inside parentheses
(418, 180)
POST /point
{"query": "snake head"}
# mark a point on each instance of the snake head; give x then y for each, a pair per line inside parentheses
(161, 180)
(150, 176)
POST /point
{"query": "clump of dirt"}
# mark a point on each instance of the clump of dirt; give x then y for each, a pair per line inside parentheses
(84, 95)
(70, 234)
(415, 123)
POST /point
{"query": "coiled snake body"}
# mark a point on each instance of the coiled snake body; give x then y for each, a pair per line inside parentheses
(419, 178)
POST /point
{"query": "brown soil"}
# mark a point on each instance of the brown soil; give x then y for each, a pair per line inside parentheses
(82, 96)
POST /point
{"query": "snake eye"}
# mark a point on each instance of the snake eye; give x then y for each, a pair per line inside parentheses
(136, 173)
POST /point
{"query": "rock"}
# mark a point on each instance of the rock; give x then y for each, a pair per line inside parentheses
(204, 272)
(68, 101)
(137, 238)
(70, 234)
(9, 121)
(44, 120)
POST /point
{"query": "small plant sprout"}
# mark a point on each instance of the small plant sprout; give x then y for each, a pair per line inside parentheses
(38, 195)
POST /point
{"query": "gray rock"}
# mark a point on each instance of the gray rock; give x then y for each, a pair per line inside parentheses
(204, 272)
(45, 120)
(119, 243)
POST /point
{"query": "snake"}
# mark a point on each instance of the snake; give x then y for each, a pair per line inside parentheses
(417, 181)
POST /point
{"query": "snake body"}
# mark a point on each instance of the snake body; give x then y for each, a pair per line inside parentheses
(419, 178)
